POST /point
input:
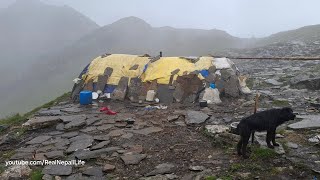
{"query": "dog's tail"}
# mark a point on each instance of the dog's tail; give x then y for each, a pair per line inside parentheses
(255, 111)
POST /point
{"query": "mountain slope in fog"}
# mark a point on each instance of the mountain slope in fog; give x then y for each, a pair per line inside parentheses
(29, 29)
(306, 34)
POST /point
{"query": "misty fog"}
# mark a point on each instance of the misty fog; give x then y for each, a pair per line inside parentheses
(46, 43)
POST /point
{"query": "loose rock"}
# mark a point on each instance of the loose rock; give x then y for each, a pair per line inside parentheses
(164, 168)
(93, 171)
(132, 159)
(108, 168)
(59, 170)
(39, 139)
(196, 117)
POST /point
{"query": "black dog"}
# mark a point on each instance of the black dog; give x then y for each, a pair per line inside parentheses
(262, 121)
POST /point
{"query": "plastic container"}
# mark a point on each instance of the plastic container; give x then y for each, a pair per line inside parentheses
(85, 97)
(150, 95)
(203, 103)
(212, 85)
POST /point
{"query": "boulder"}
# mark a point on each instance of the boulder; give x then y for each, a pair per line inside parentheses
(16, 172)
(309, 121)
(120, 91)
(196, 117)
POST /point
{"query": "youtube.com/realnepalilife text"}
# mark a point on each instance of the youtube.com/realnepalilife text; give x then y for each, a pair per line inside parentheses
(45, 162)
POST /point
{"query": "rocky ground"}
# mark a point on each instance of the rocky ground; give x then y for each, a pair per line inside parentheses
(177, 142)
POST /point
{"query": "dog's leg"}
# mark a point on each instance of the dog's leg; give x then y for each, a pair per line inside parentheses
(252, 137)
(268, 139)
(274, 138)
(245, 141)
(239, 145)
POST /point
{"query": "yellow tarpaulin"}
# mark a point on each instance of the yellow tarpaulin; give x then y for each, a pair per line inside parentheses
(161, 69)
(120, 63)
(204, 63)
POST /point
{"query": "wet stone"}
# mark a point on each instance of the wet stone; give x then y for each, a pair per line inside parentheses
(54, 112)
(164, 168)
(26, 150)
(80, 137)
(197, 168)
(133, 148)
(54, 133)
(133, 159)
(72, 110)
(196, 117)
(116, 133)
(180, 123)
(273, 82)
(67, 119)
(96, 153)
(292, 145)
(127, 136)
(45, 149)
(89, 129)
(52, 141)
(70, 134)
(75, 177)
(22, 156)
(157, 177)
(93, 171)
(120, 125)
(92, 120)
(39, 139)
(42, 121)
(59, 170)
(60, 127)
(309, 121)
(75, 124)
(147, 131)
(80, 144)
(101, 137)
(108, 168)
(105, 127)
(100, 145)
(40, 157)
(54, 154)
(172, 118)
(47, 177)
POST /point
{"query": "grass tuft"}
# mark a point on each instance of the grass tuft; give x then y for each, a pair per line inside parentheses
(263, 153)
(18, 119)
(36, 174)
(280, 103)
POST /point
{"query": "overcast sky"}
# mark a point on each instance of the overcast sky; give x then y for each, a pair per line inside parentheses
(243, 18)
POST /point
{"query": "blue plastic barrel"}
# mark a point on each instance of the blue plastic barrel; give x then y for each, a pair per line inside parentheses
(204, 73)
(85, 97)
(212, 85)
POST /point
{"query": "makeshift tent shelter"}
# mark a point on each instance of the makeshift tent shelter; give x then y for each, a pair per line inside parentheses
(172, 78)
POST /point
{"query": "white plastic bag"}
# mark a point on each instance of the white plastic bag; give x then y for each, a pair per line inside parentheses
(212, 96)
(243, 85)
